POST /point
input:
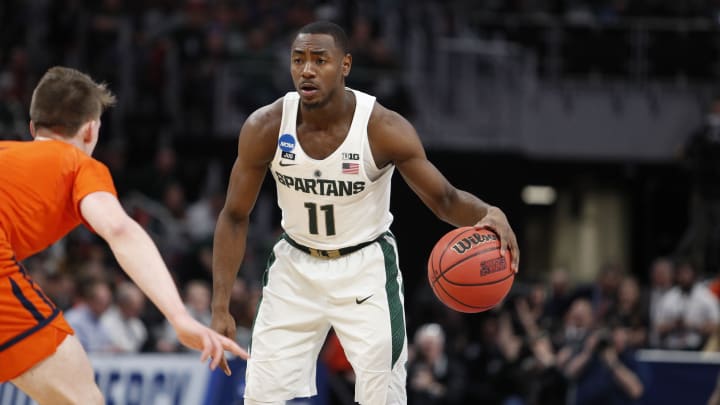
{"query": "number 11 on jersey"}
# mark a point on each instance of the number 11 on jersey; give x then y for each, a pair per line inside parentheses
(313, 218)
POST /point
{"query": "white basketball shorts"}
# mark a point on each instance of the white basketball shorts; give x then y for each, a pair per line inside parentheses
(360, 295)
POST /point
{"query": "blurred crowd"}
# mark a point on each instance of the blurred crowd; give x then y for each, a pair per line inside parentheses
(172, 62)
(555, 341)
(606, 10)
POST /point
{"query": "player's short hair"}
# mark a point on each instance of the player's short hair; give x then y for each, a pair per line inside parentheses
(329, 28)
(65, 99)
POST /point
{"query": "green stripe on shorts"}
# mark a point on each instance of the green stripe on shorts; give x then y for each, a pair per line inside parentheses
(392, 289)
(270, 262)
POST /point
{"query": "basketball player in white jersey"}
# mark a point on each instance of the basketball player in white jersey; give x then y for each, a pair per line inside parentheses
(332, 152)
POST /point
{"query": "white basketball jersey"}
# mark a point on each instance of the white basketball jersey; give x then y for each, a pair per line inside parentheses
(336, 202)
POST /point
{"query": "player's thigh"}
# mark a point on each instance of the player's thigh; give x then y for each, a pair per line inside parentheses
(376, 346)
(372, 330)
(371, 326)
(65, 377)
(288, 332)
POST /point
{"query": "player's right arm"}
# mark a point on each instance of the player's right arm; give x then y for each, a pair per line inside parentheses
(137, 254)
(394, 140)
(256, 147)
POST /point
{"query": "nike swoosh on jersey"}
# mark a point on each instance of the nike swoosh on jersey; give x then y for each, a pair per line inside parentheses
(287, 164)
(360, 301)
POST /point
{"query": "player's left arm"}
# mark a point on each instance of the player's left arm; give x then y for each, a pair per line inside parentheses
(138, 256)
(394, 140)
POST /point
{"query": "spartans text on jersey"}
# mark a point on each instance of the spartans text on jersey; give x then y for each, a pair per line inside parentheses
(321, 186)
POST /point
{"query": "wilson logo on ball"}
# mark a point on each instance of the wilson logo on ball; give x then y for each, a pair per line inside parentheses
(492, 266)
(465, 244)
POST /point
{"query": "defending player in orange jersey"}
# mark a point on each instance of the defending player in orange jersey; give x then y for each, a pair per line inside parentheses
(47, 188)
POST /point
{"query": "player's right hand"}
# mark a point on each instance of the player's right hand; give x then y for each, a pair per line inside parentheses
(496, 221)
(224, 324)
(211, 344)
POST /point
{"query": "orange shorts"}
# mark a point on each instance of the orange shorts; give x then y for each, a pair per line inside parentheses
(31, 326)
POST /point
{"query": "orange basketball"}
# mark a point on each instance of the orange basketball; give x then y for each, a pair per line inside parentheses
(467, 272)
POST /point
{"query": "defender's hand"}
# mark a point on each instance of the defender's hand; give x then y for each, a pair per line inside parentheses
(224, 324)
(211, 344)
(496, 221)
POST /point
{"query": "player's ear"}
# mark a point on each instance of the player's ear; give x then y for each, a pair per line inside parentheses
(87, 131)
(90, 135)
(90, 132)
(346, 64)
(32, 129)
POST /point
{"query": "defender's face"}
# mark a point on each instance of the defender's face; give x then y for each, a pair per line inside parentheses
(318, 68)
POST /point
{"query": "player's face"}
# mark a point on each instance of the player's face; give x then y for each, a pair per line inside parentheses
(318, 68)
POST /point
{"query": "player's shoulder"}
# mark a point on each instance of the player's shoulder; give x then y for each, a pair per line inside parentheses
(266, 119)
(386, 121)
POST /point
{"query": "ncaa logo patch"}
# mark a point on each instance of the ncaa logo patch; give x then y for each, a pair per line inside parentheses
(286, 142)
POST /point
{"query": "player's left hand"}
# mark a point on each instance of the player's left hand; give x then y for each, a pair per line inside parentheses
(496, 221)
(211, 344)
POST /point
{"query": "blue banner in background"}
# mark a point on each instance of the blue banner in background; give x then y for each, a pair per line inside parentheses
(167, 379)
(670, 378)
(676, 377)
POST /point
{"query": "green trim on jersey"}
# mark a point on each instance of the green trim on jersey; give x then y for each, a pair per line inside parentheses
(265, 277)
(393, 290)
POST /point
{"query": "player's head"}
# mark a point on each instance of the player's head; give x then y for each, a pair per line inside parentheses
(69, 103)
(319, 62)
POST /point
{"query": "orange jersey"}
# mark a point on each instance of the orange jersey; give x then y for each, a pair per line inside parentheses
(41, 186)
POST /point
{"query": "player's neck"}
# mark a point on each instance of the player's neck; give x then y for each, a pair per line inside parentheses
(52, 136)
(336, 109)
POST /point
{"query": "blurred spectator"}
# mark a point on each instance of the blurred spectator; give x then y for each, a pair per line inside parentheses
(662, 274)
(547, 385)
(630, 311)
(376, 69)
(174, 200)
(602, 293)
(195, 42)
(688, 314)
(433, 377)
(201, 216)
(12, 111)
(122, 320)
(577, 326)
(495, 363)
(604, 371)
(197, 301)
(257, 61)
(85, 317)
(107, 20)
(154, 180)
(559, 296)
(60, 288)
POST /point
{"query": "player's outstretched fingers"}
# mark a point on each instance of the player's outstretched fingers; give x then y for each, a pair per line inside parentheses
(225, 367)
(217, 352)
(234, 348)
(206, 348)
